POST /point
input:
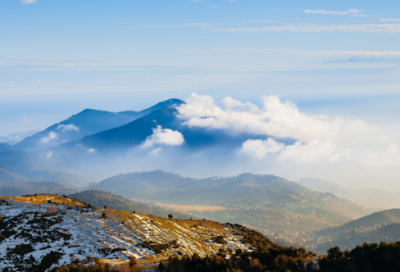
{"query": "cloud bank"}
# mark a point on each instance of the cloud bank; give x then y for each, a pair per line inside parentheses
(319, 137)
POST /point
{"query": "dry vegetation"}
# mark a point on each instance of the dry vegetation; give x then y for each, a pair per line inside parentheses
(151, 239)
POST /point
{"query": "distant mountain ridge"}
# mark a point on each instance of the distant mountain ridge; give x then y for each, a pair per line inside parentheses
(86, 122)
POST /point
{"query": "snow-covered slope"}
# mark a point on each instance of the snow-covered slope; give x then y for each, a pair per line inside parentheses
(36, 234)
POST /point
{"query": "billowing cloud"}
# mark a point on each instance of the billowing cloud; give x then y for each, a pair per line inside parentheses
(274, 119)
(70, 127)
(319, 137)
(162, 136)
(51, 136)
(260, 148)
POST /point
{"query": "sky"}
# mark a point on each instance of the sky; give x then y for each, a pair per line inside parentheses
(339, 58)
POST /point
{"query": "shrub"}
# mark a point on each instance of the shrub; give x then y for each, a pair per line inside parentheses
(51, 210)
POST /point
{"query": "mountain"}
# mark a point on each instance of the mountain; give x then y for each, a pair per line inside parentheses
(32, 187)
(38, 237)
(34, 168)
(135, 133)
(367, 197)
(100, 199)
(87, 122)
(7, 177)
(17, 137)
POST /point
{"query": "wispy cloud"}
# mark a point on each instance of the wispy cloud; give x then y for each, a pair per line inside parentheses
(257, 21)
(27, 1)
(70, 127)
(181, 25)
(389, 20)
(366, 28)
(52, 136)
(351, 12)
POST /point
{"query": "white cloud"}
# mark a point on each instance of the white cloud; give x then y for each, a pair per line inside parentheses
(310, 152)
(69, 127)
(366, 28)
(260, 148)
(49, 155)
(51, 136)
(27, 1)
(351, 12)
(91, 150)
(275, 118)
(164, 137)
(319, 137)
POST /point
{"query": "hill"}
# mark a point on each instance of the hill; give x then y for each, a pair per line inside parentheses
(388, 233)
(100, 199)
(86, 122)
(379, 218)
(60, 227)
(246, 190)
(376, 227)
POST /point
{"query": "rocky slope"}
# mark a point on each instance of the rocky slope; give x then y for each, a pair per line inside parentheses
(39, 232)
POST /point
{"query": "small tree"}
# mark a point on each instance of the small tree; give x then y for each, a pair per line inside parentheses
(161, 267)
(170, 216)
(105, 207)
(132, 262)
(133, 212)
(1, 219)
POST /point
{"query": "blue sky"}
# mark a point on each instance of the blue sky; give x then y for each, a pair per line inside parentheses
(58, 57)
